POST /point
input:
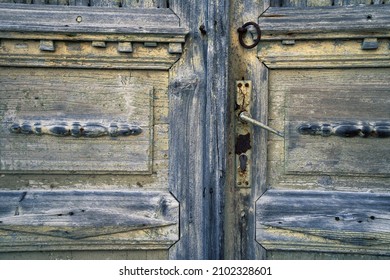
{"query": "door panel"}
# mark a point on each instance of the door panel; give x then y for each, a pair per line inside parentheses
(60, 105)
(324, 221)
(328, 91)
(84, 131)
(349, 107)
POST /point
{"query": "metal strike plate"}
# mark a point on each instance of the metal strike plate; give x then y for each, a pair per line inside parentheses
(243, 135)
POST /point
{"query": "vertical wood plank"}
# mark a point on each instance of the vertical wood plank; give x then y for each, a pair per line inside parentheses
(244, 64)
(198, 102)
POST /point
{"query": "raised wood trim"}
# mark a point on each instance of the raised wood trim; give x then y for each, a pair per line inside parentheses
(325, 22)
(324, 221)
(89, 37)
(87, 220)
(74, 22)
(324, 53)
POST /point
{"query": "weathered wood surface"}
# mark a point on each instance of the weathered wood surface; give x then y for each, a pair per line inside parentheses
(329, 163)
(325, 22)
(331, 53)
(335, 96)
(87, 255)
(81, 54)
(162, 24)
(239, 207)
(77, 220)
(98, 3)
(55, 96)
(334, 38)
(324, 221)
(118, 83)
(324, 3)
(198, 102)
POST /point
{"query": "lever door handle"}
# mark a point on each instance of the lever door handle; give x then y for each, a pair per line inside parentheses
(245, 117)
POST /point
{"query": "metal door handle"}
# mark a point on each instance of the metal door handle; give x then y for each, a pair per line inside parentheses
(245, 117)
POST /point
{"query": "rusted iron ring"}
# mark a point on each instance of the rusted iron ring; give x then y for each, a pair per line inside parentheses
(243, 29)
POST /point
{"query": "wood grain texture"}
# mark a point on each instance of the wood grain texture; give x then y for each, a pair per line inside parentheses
(325, 22)
(55, 96)
(324, 3)
(336, 96)
(198, 101)
(331, 53)
(81, 54)
(239, 207)
(145, 3)
(87, 255)
(58, 220)
(328, 163)
(71, 20)
(301, 255)
(324, 221)
(157, 180)
(97, 3)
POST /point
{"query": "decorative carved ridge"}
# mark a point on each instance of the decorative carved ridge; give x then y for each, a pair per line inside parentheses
(347, 129)
(75, 129)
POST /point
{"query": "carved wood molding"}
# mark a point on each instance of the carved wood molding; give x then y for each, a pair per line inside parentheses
(88, 37)
(346, 129)
(324, 53)
(75, 129)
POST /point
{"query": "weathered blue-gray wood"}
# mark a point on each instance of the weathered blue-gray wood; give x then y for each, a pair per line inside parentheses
(50, 220)
(145, 3)
(198, 102)
(217, 220)
(58, 220)
(98, 3)
(240, 202)
(325, 22)
(324, 221)
(71, 20)
(324, 3)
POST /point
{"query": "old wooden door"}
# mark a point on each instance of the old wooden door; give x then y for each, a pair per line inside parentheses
(120, 137)
(84, 129)
(110, 148)
(320, 76)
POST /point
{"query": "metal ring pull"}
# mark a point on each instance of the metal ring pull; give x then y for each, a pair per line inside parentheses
(242, 30)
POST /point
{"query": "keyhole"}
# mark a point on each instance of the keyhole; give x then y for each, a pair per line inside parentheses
(243, 159)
